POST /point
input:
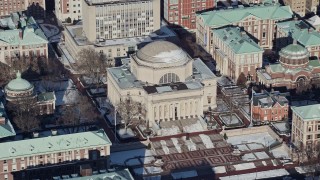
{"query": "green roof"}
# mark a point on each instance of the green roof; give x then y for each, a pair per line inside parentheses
(122, 174)
(294, 48)
(47, 96)
(18, 84)
(309, 112)
(6, 130)
(218, 18)
(299, 30)
(238, 42)
(53, 144)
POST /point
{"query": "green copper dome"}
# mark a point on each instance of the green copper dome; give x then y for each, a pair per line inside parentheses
(19, 84)
(294, 51)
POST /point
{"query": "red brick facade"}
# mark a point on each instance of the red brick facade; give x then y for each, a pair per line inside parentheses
(274, 113)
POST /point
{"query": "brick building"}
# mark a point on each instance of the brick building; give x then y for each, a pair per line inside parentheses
(47, 151)
(183, 12)
(34, 8)
(68, 9)
(258, 21)
(269, 106)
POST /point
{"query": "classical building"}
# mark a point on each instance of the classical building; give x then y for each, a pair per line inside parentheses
(305, 126)
(65, 9)
(48, 151)
(300, 31)
(259, 21)
(34, 8)
(20, 36)
(235, 53)
(312, 6)
(270, 106)
(20, 89)
(120, 19)
(297, 6)
(294, 69)
(168, 83)
(183, 12)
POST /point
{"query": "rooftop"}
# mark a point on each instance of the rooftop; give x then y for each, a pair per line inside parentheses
(267, 99)
(6, 129)
(300, 31)
(53, 144)
(119, 174)
(309, 112)
(18, 84)
(218, 18)
(125, 79)
(277, 67)
(101, 2)
(314, 20)
(239, 42)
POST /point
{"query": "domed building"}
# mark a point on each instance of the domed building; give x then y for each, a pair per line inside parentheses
(294, 69)
(20, 89)
(168, 83)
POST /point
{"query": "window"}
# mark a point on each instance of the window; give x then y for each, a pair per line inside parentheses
(318, 127)
(318, 136)
(309, 129)
(4, 161)
(309, 137)
(263, 34)
(169, 78)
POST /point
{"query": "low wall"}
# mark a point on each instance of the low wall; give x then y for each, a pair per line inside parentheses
(127, 146)
(251, 130)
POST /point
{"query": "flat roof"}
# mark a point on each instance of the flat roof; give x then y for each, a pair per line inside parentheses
(308, 112)
(53, 144)
(119, 174)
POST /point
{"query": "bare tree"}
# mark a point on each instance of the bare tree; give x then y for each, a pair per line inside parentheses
(24, 114)
(241, 81)
(92, 64)
(129, 111)
(81, 112)
(6, 74)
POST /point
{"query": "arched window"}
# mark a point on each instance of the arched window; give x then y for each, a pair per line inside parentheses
(169, 78)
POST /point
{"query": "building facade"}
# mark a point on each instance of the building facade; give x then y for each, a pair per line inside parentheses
(176, 88)
(47, 151)
(259, 21)
(34, 8)
(300, 31)
(269, 106)
(235, 53)
(24, 40)
(118, 19)
(305, 126)
(297, 6)
(65, 9)
(293, 70)
(183, 12)
(312, 6)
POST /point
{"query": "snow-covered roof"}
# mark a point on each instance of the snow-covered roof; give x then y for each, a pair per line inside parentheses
(314, 20)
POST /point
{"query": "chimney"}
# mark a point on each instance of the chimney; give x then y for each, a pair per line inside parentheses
(2, 120)
(243, 33)
(21, 34)
(310, 30)
(294, 41)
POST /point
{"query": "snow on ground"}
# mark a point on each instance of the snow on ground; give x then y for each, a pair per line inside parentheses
(254, 146)
(49, 29)
(140, 171)
(176, 144)
(244, 166)
(191, 146)
(170, 131)
(147, 160)
(154, 170)
(280, 152)
(305, 169)
(263, 138)
(193, 127)
(121, 156)
(261, 155)
(125, 134)
(221, 106)
(66, 97)
(219, 169)
(242, 147)
(258, 175)
(206, 141)
(248, 157)
(184, 174)
(230, 120)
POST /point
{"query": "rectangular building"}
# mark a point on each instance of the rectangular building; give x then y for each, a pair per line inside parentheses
(32, 153)
(235, 53)
(183, 12)
(297, 6)
(34, 8)
(65, 9)
(305, 126)
(105, 19)
(259, 21)
(23, 40)
(270, 106)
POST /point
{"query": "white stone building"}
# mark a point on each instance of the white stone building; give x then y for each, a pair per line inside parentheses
(168, 83)
(68, 9)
